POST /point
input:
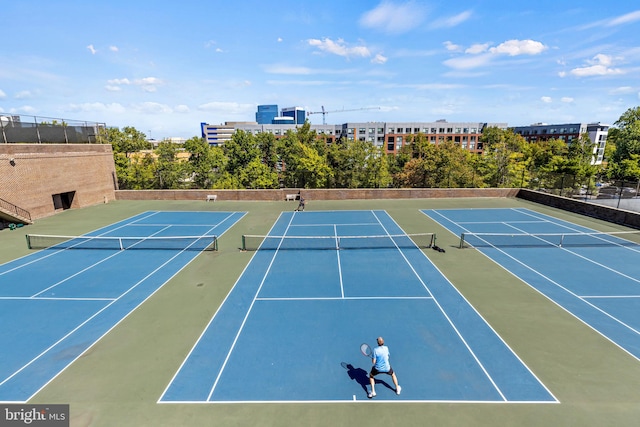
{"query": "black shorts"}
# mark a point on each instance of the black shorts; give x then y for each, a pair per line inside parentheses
(375, 372)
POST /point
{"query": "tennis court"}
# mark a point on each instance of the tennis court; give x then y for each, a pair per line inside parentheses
(319, 285)
(594, 276)
(57, 302)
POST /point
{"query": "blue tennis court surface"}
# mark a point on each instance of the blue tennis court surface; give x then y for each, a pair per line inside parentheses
(291, 327)
(56, 303)
(594, 277)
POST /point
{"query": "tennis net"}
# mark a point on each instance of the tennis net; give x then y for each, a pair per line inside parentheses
(252, 242)
(194, 243)
(600, 238)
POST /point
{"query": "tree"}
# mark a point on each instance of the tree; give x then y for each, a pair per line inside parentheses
(206, 163)
(502, 149)
(169, 173)
(128, 140)
(626, 138)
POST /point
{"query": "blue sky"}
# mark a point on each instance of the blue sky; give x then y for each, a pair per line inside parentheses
(165, 67)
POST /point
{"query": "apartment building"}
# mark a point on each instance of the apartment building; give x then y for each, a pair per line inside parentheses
(568, 132)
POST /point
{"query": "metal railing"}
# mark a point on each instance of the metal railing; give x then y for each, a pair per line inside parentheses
(10, 207)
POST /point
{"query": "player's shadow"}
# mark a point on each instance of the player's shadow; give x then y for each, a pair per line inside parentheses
(362, 377)
(359, 375)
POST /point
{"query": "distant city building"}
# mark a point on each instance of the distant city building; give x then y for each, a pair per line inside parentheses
(388, 135)
(298, 114)
(568, 132)
(216, 135)
(266, 114)
(283, 121)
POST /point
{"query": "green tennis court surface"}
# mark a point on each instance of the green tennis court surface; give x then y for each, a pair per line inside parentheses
(120, 379)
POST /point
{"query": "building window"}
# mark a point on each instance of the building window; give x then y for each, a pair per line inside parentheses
(449, 130)
(433, 130)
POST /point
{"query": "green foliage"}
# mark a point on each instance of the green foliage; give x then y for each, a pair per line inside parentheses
(304, 159)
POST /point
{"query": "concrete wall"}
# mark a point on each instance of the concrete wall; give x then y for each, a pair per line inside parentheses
(606, 213)
(41, 170)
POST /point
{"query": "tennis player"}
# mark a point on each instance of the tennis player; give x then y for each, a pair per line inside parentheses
(381, 365)
(300, 207)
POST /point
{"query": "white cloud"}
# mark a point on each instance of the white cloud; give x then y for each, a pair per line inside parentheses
(113, 48)
(152, 108)
(392, 17)
(339, 47)
(25, 94)
(567, 99)
(379, 59)
(467, 62)
(452, 47)
(546, 99)
(148, 81)
(285, 69)
(148, 84)
(227, 107)
(92, 49)
(452, 21)
(477, 48)
(622, 90)
(90, 107)
(2, 94)
(481, 54)
(599, 66)
(181, 109)
(279, 39)
(124, 81)
(625, 19)
(25, 109)
(519, 47)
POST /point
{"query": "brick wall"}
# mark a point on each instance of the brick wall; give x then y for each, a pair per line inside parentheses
(41, 170)
(317, 194)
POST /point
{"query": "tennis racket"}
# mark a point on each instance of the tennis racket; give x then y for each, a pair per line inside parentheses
(366, 350)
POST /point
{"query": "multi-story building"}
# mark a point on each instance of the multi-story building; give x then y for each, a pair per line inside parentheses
(394, 135)
(389, 135)
(266, 114)
(568, 132)
(297, 113)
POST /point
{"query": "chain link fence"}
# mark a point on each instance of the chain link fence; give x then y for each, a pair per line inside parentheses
(618, 194)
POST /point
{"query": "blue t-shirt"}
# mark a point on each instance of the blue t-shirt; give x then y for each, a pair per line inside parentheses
(381, 354)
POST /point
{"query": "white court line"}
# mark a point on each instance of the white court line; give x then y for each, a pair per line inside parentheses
(556, 302)
(244, 321)
(340, 298)
(57, 299)
(480, 315)
(335, 232)
(444, 313)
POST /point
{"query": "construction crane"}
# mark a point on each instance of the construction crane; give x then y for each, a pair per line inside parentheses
(324, 112)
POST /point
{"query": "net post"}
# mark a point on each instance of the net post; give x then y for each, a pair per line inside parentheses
(215, 243)
(433, 240)
(28, 241)
(244, 245)
(461, 241)
(561, 240)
